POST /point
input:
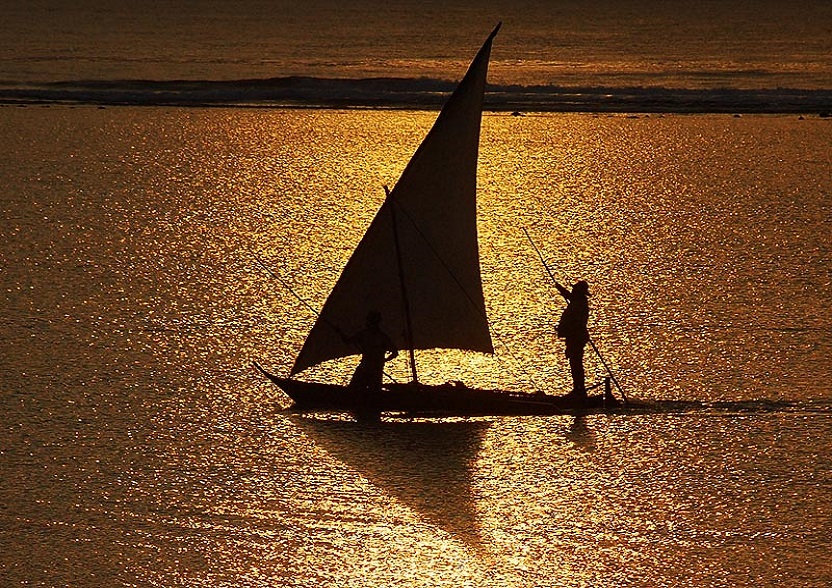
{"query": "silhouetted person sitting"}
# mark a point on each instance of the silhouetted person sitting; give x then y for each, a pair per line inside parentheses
(376, 349)
(572, 327)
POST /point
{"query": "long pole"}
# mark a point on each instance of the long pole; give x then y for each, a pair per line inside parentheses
(591, 342)
(289, 288)
(301, 300)
(408, 334)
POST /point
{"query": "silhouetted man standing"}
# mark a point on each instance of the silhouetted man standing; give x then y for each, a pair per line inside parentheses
(376, 349)
(572, 327)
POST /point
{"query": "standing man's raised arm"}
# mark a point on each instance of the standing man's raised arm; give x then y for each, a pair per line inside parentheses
(563, 291)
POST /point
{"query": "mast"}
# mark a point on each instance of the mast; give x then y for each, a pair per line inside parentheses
(435, 247)
(408, 318)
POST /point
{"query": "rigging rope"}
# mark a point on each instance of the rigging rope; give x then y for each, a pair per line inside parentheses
(473, 303)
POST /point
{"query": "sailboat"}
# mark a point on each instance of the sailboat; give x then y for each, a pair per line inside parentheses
(418, 266)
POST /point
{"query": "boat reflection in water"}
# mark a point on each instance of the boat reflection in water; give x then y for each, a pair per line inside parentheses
(580, 435)
(428, 466)
(431, 467)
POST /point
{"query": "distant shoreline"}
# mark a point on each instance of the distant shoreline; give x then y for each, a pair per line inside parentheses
(413, 94)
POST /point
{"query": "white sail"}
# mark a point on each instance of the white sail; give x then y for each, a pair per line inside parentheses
(434, 206)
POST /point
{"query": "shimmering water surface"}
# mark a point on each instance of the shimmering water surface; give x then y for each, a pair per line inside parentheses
(138, 447)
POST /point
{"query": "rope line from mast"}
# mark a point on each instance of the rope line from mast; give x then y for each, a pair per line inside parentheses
(308, 306)
(471, 300)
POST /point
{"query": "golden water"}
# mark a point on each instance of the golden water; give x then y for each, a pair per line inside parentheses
(138, 447)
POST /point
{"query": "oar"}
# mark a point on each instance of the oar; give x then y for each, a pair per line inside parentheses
(306, 304)
(591, 342)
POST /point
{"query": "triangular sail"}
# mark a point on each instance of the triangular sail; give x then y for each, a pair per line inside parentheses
(435, 212)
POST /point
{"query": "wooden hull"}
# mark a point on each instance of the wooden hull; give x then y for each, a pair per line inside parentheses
(440, 400)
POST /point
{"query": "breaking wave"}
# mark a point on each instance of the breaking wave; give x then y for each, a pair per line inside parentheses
(416, 93)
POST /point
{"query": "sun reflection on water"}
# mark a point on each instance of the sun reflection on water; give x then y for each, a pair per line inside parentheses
(141, 448)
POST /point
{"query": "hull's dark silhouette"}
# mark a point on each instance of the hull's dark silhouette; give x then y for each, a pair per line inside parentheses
(433, 400)
(418, 266)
